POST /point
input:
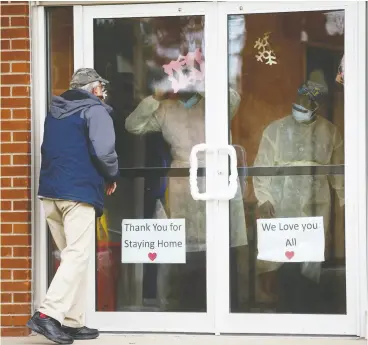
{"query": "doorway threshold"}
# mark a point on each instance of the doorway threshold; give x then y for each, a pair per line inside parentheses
(197, 339)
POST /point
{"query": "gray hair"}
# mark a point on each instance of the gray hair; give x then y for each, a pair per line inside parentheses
(89, 87)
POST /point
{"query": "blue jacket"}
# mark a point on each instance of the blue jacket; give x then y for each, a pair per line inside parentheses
(78, 149)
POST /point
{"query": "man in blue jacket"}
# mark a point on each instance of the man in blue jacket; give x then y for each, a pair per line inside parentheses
(79, 164)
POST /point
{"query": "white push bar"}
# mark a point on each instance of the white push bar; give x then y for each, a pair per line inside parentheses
(193, 183)
(233, 177)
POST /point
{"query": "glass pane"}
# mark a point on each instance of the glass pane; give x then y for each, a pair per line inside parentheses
(156, 71)
(59, 70)
(288, 70)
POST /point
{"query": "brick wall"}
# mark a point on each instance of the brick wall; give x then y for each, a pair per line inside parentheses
(15, 169)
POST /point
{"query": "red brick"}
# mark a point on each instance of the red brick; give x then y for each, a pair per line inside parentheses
(10, 194)
(21, 159)
(22, 297)
(21, 228)
(5, 275)
(9, 217)
(15, 125)
(5, 91)
(20, 21)
(16, 263)
(12, 102)
(22, 274)
(16, 320)
(5, 182)
(13, 32)
(22, 91)
(20, 286)
(22, 252)
(15, 55)
(15, 171)
(6, 297)
(6, 228)
(5, 114)
(4, 159)
(4, 21)
(20, 67)
(16, 309)
(5, 67)
(21, 114)
(22, 44)
(21, 181)
(5, 45)
(6, 205)
(6, 251)
(15, 148)
(5, 136)
(22, 205)
(15, 79)
(15, 240)
(14, 9)
(22, 136)
(15, 331)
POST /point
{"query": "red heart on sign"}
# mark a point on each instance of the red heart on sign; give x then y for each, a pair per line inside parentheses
(289, 255)
(152, 256)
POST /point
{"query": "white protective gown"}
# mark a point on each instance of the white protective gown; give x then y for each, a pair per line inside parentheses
(286, 142)
(183, 128)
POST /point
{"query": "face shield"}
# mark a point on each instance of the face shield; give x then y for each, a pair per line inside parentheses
(306, 103)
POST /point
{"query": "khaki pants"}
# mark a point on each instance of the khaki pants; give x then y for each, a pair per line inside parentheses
(72, 225)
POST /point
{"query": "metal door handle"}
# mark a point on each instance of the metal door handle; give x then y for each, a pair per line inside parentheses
(230, 191)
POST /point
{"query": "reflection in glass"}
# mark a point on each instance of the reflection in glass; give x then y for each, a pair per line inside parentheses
(291, 115)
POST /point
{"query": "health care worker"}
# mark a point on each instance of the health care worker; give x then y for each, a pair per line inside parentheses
(300, 139)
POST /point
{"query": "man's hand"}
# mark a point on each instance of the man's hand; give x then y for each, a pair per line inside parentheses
(267, 210)
(110, 188)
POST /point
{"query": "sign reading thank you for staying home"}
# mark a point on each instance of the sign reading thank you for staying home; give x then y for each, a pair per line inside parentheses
(153, 241)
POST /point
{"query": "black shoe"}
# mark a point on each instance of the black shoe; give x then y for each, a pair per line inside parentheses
(82, 333)
(49, 328)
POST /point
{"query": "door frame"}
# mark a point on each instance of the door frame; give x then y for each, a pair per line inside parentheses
(355, 184)
(355, 159)
(159, 321)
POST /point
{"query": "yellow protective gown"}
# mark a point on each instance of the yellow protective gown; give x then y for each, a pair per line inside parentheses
(286, 142)
(183, 128)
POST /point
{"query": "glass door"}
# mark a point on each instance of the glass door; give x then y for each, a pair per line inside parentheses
(293, 130)
(154, 244)
(274, 89)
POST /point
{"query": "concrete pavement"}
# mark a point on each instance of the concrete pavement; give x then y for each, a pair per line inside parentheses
(168, 339)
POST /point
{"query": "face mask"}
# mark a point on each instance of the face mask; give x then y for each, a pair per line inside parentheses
(301, 114)
(191, 101)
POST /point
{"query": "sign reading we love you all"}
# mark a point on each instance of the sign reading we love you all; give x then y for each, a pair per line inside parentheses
(291, 239)
(153, 241)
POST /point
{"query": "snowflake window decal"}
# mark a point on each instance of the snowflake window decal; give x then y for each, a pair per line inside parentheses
(186, 71)
(265, 52)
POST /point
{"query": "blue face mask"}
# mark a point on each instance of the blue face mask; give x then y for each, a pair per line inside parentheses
(191, 101)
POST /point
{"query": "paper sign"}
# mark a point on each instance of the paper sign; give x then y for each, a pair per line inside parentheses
(291, 239)
(153, 241)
